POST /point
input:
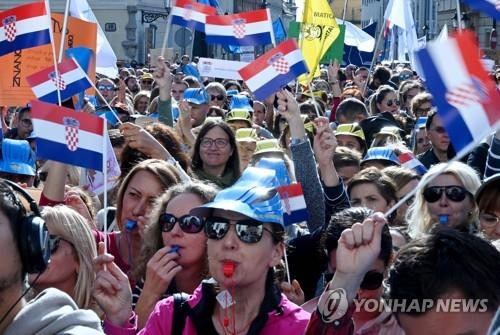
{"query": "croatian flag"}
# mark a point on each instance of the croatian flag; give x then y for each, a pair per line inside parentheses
(66, 136)
(248, 28)
(273, 70)
(489, 7)
(466, 98)
(24, 27)
(71, 81)
(191, 14)
(293, 204)
(409, 161)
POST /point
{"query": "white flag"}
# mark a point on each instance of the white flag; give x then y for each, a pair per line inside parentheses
(105, 56)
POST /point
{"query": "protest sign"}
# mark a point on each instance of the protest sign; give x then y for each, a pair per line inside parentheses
(16, 66)
(219, 68)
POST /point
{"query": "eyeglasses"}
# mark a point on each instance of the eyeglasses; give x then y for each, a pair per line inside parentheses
(488, 219)
(439, 130)
(220, 143)
(190, 224)
(54, 243)
(148, 82)
(453, 193)
(106, 88)
(219, 97)
(248, 231)
(392, 102)
(425, 111)
(26, 122)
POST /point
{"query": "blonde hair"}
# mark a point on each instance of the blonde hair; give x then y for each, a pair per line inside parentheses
(72, 227)
(418, 217)
(153, 240)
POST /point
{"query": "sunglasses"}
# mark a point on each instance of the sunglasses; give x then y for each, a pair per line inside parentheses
(453, 193)
(106, 88)
(371, 281)
(190, 224)
(149, 82)
(219, 97)
(54, 243)
(248, 231)
(392, 102)
(439, 130)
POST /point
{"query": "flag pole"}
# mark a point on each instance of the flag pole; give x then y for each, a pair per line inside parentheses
(52, 42)
(105, 176)
(344, 11)
(63, 34)
(301, 42)
(97, 91)
(375, 51)
(459, 16)
(458, 157)
(167, 33)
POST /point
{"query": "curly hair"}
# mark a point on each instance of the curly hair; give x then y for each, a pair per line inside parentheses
(152, 240)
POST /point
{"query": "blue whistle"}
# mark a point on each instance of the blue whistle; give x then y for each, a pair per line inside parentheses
(443, 220)
(130, 225)
(174, 248)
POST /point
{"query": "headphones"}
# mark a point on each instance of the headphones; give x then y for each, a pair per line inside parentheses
(33, 236)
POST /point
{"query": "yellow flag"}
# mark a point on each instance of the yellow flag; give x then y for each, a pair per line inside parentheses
(319, 31)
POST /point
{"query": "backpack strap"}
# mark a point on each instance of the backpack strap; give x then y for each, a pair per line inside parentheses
(180, 313)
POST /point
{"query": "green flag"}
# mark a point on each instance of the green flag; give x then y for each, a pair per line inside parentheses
(336, 51)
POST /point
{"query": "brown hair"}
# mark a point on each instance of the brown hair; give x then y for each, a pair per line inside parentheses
(372, 175)
(400, 175)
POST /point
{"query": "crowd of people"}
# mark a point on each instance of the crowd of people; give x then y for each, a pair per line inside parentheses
(199, 156)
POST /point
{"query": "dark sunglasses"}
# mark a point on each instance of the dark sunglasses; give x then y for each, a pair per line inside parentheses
(248, 231)
(371, 281)
(106, 88)
(149, 82)
(219, 97)
(190, 224)
(453, 193)
(392, 102)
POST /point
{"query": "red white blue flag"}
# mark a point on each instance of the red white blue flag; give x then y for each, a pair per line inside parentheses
(24, 27)
(66, 136)
(248, 28)
(273, 70)
(466, 98)
(191, 14)
(489, 7)
(409, 161)
(293, 204)
(71, 81)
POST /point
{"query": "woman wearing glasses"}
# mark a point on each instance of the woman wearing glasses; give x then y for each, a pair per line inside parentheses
(385, 100)
(244, 227)
(217, 94)
(488, 202)
(72, 249)
(173, 255)
(447, 199)
(215, 154)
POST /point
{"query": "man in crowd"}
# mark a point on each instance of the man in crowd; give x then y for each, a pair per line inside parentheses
(24, 125)
(440, 142)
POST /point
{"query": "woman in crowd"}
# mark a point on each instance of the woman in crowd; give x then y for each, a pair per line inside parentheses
(385, 100)
(373, 189)
(421, 105)
(217, 95)
(405, 181)
(173, 255)
(488, 202)
(72, 249)
(141, 102)
(407, 91)
(245, 243)
(447, 199)
(215, 154)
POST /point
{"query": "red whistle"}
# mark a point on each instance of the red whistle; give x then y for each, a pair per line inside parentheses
(228, 269)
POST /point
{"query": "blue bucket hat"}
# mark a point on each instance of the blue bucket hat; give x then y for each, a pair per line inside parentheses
(382, 154)
(197, 96)
(278, 165)
(239, 101)
(17, 157)
(253, 195)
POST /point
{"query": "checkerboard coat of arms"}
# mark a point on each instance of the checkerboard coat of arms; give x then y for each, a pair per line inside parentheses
(72, 127)
(279, 63)
(239, 28)
(9, 28)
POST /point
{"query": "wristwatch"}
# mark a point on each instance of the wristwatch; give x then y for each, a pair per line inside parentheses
(295, 141)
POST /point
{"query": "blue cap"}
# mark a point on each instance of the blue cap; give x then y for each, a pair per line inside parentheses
(421, 121)
(17, 157)
(232, 92)
(253, 195)
(382, 154)
(278, 165)
(239, 101)
(197, 96)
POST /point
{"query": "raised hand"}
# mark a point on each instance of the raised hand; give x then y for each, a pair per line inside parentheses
(293, 292)
(112, 289)
(333, 70)
(138, 138)
(289, 109)
(324, 141)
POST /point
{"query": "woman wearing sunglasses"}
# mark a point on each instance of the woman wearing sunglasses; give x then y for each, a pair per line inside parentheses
(244, 227)
(385, 100)
(173, 256)
(72, 250)
(447, 199)
(217, 94)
